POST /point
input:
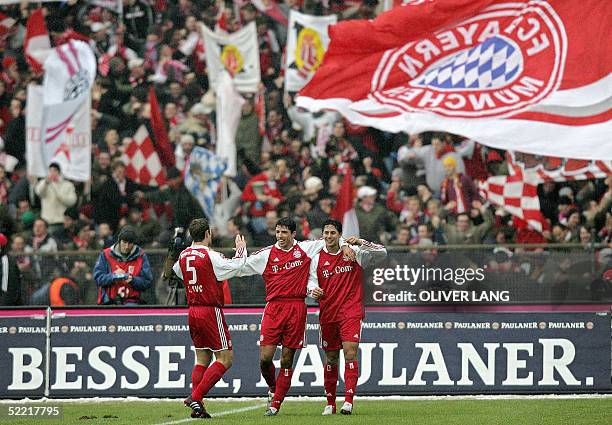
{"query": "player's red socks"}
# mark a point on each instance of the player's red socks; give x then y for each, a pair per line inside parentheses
(283, 383)
(330, 380)
(212, 375)
(351, 374)
(196, 375)
(269, 374)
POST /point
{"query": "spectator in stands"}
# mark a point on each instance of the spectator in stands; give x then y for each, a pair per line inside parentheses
(56, 195)
(122, 271)
(373, 218)
(114, 197)
(457, 191)
(41, 242)
(261, 195)
(248, 138)
(184, 206)
(463, 231)
(431, 156)
(268, 237)
(10, 276)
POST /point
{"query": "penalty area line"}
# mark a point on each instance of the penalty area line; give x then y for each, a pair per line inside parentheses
(224, 413)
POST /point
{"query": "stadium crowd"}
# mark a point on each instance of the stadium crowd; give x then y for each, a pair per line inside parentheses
(411, 189)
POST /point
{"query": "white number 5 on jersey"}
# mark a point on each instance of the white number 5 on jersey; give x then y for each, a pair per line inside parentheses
(190, 268)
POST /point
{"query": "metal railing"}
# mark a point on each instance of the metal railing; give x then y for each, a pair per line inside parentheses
(553, 273)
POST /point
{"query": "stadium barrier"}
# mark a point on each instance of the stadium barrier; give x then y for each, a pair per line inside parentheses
(147, 352)
(464, 274)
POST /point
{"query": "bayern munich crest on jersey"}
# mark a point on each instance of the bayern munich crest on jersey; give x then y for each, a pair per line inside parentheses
(494, 64)
(297, 254)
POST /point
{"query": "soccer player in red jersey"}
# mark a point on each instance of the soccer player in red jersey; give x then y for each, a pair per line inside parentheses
(284, 268)
(337, 283)
(203, 271)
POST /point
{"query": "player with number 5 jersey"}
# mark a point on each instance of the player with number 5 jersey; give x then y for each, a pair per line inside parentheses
(203, 272)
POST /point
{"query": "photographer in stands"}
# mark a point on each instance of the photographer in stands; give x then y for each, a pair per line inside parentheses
(122, 271)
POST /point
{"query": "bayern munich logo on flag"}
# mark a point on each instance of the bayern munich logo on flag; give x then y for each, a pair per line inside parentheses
(486, 66)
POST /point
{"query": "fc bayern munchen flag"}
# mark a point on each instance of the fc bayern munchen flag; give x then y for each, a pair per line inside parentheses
(532, 76)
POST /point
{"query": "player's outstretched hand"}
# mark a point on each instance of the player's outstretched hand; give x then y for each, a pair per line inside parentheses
(353, 240)
(240, 242)
(316, 293)
(349, 254)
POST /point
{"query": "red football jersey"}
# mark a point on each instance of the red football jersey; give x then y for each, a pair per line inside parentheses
(285, 273)
(341, 281)
(203, 272)
(201, 284)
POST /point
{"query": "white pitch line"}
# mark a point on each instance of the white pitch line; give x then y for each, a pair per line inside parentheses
(228, 400)
(224, 413)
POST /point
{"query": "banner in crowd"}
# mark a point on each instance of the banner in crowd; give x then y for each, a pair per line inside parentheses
(144, 353)
(202, 177)
(68, 142)
(58, 116)
(307, 42)
(143, 165)
(237, 53)
(517, 192)
(229, 112)
(510, 75)
(114, 5)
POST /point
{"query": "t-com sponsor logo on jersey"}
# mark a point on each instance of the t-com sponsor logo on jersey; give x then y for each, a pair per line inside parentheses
(497, 63)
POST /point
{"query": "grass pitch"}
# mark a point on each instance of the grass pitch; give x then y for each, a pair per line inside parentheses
(442, 411)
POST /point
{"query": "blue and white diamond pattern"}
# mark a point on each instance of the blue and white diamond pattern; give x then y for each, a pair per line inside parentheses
(489, 65)
(203, 176)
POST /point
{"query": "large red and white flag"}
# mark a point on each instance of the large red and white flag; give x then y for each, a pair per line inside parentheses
(37, 45)
(532, 76)
(518, 192)
(344, 209)
(142, 161)
(307, 41)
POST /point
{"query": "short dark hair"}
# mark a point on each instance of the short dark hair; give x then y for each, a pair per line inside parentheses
(287, 222)
(198, 228)
(56, 166)
(334, 223)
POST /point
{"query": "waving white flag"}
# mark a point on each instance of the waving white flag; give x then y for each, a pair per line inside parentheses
(307, 42)
(58, 118)
(229, 111)
(237, 53)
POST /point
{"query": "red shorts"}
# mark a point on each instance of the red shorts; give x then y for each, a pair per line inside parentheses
(208, 328)
(284, 323)
(334, 334)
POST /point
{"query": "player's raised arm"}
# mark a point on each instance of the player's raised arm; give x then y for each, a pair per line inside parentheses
(255, 263)
(227, 268)
(367, 252)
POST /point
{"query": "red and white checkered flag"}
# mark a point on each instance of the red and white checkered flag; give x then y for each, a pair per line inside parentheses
(143, 163)
(517, 194)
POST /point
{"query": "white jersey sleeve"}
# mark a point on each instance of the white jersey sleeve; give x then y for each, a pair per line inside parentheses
(313, 280)
(226, 268)
(177, 270)
(369, 253)
(312, 248)
(256, 262)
